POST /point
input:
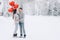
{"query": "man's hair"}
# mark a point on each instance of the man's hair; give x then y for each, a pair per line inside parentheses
(21, 8)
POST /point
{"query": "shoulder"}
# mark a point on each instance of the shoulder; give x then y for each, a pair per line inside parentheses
(15, 15)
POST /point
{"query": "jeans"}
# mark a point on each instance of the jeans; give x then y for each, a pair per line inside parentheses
(16, 27)
(22, 30)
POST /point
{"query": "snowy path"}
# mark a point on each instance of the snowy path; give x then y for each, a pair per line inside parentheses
(37, 28)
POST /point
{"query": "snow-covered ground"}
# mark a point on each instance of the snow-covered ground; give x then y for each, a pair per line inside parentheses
(37, 28)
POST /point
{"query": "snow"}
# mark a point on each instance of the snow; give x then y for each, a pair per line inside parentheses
(37, 28)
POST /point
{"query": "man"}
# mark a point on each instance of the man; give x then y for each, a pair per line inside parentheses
(21, 22)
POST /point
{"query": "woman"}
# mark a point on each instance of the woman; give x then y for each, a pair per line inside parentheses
(16, 19)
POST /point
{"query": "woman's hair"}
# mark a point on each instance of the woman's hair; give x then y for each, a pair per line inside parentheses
(14, 11)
